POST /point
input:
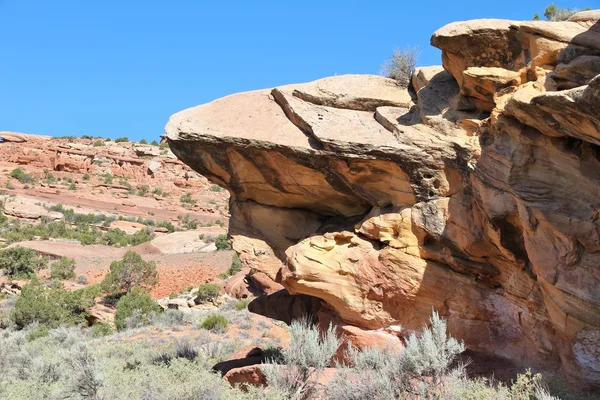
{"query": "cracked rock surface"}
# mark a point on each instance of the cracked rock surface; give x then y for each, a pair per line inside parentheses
(475, 192)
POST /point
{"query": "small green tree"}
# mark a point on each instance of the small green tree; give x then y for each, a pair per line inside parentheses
(128, 273)
(143, 141)
(63, 268)
(135, 305)
(208, 292)
(222, 243)
(21, 262)
(51, 307)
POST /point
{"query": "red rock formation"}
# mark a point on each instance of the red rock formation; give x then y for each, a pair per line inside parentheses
(476, 197)
(144, 163)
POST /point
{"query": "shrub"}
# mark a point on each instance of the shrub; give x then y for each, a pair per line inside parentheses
(186, 199)
(50, 306)
(241, 305)
(121, 140)
(63, 268)
(143, 190)
(222, 243)
(143, 141)
(424, 364)
(189, 223)
(86, 177)
(553, 13)
(208, 292)
(86, 380)
(184, 349)
(215, 322)
(432, 353)
(154, 143)
(21, 262)
(72, 186)
(128, 273)
(401, 65)
(216, 188)
(169, 318)
(21, 175)
(37, 332)
(49, 177)
(118, 237)
(98, 143)
(236, 266)
(135, 304)
(309, 353)
(108, 178)
(166, 224)
(101, 329)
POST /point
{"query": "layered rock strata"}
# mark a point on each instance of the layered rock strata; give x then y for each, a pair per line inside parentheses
(474, 192)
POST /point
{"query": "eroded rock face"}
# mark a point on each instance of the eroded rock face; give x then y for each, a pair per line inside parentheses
(143, 163)
(476, 197)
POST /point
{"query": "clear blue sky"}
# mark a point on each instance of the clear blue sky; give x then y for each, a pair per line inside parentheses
(121, 68)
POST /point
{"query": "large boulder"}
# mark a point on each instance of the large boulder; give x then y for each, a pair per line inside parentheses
(476, 197)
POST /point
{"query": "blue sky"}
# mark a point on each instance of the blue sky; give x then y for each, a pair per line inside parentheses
(121, 68)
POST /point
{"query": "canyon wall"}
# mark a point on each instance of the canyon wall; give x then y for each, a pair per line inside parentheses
(474, 192)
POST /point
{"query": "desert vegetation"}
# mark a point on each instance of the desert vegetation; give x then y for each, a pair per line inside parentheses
(555, 13)
(401, 65)
(57, 357)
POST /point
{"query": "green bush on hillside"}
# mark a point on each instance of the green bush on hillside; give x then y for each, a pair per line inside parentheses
(166, 224)
(21, 175)
(128, 273)
(186, 199)
(215, 322)
(51, 307)
(121, 140)
(234, 268)
(208, 292)
(21, 262)
(222, 243)
(135, 308)
(63, 268)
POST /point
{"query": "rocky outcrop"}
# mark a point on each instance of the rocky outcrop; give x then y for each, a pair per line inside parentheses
(144, 163)
(477, 196)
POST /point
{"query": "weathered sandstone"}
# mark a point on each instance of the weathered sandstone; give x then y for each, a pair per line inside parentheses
(477, 196)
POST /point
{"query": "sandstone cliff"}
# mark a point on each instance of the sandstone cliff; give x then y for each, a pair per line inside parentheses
(475, 192)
